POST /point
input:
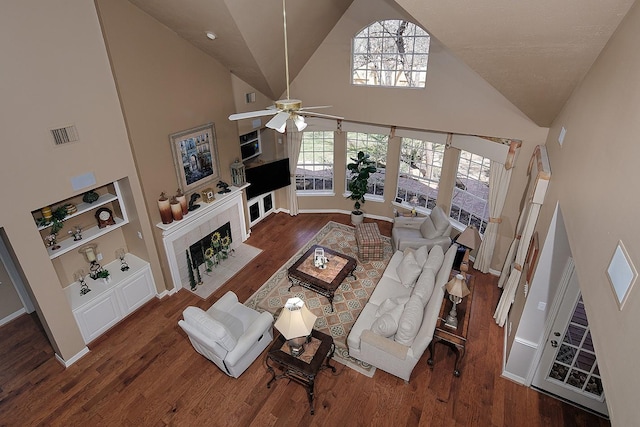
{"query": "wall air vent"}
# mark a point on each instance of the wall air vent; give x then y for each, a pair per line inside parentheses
(64, 135)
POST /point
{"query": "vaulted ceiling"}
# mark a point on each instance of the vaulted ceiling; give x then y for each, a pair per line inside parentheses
(534, 52)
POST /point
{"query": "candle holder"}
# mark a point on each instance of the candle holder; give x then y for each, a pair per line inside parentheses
(120, 254)
(79, 277)
(89, 253)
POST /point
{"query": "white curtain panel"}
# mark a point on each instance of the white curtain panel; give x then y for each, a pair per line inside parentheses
(294, 141)
(499, 179)
(509, 292)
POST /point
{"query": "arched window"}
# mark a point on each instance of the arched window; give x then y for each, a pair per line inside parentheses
(390, 53)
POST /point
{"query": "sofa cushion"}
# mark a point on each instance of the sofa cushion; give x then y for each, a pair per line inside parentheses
(409, 270)
(428, 230)
(234, 325)
(410, 321)
(435, 259)
(424, 285)
(440, 220)
(421, 254)
(387, 324)
(209, 327)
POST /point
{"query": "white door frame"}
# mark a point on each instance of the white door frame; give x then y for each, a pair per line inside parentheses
(14, 275)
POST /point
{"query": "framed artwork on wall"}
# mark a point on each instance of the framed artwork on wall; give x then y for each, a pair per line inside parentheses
(195, 156)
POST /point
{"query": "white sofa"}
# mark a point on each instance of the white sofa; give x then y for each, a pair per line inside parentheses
(396, 325)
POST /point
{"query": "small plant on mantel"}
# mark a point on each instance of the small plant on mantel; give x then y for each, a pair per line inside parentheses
(361, 169)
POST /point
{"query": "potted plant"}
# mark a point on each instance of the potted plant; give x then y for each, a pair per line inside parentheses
(361, 169)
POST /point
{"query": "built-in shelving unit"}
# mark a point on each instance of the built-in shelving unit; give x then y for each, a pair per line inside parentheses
(109, 196)
(260, 207)
(250, 146)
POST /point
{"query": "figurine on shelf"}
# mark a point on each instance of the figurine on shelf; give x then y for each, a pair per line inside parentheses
(120, 254)
(224, 187)
(76, 233)
(52, 241)
(192, 202)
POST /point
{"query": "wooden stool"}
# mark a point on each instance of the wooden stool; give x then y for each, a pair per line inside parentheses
(369, 241)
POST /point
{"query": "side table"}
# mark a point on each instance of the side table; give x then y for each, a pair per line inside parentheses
(303, 369)
(456, 339)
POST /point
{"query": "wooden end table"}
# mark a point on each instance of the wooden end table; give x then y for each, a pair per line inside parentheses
(322, 281)
(302, 369)
(455, 339)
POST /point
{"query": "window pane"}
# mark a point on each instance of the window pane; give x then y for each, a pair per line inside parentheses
(420, 171)
(390, 53)
(471, 192)
(376, 146)
(315, 163)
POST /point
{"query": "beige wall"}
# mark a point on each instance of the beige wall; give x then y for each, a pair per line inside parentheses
(456, 100)
(595, 177)
(55, 76)
(166, 86)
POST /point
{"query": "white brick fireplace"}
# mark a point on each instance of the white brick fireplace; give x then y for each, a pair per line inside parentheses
(178, 236)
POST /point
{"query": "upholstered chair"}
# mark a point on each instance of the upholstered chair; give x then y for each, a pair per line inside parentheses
(229, 333)
(414, 232)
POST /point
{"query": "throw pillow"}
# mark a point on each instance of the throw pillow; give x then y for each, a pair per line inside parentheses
(408, 270)
(410, 321)
(428, 230)
(386, 306)
(440, 220)
(421, 254)
(387, 324)
(209, 327)
(436, 258)
(424, 285)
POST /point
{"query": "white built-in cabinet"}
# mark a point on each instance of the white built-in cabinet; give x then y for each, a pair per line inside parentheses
(109, 302)
(259, 207)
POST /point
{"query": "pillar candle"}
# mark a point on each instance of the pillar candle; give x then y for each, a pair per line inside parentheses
(182, 199)
(176, 209)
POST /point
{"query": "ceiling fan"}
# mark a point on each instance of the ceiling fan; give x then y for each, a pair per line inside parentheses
(285, 109)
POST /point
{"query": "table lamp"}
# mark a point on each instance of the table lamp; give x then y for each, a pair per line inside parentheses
(457, 289)
(470, 239)
(295, 324)
(90, 255)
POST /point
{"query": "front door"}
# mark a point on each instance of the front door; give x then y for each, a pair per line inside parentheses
(568, 367)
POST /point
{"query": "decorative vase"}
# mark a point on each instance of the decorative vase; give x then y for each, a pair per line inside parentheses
(165, 209)
(46, 213)
(176, 209)
(182, 199)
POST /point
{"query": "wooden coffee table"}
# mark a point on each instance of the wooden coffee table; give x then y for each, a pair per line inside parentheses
(304, 368)
(322, 281)
(456, 339)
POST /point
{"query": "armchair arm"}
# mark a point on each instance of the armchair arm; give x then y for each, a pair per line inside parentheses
(408, 222)
(250, 337)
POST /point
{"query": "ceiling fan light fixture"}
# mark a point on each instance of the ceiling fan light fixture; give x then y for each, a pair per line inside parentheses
(299, 122)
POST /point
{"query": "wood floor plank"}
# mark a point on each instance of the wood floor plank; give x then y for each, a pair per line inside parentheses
(144, 371)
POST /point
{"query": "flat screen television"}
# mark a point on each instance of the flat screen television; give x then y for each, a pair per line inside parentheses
(267, 177)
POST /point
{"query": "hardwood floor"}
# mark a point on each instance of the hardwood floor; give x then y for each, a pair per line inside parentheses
(145, 372)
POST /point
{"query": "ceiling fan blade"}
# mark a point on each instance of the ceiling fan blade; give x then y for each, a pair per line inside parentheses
(315, 107)
(278, 122)
(314, 114)
(250, 114)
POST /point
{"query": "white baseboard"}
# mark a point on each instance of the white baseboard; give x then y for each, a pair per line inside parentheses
(12, 316)
(74, 359)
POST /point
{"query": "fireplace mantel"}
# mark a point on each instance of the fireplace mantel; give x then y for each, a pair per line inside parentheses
(179, 235)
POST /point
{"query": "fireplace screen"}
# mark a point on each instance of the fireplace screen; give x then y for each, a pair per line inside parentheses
(198, 249)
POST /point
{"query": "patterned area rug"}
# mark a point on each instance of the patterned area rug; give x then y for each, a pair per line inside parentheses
(349, 300)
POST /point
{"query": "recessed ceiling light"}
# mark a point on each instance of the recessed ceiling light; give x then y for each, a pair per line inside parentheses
(210, 35)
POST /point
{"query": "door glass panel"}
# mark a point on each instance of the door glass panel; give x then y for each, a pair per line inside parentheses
(575, 362)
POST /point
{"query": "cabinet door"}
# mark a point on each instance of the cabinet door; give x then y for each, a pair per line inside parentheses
(98, 316)
(135, 291)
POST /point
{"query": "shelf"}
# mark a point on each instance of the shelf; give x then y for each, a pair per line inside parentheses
(89, 234)
(86, 207)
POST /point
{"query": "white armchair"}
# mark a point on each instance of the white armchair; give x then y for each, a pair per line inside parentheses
(229, 334)
(414, 232)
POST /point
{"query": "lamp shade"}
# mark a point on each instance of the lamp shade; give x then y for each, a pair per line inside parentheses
(469, 238)
(295, 320)
(458, 286)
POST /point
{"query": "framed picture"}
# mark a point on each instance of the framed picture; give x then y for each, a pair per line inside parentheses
(195, 156)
